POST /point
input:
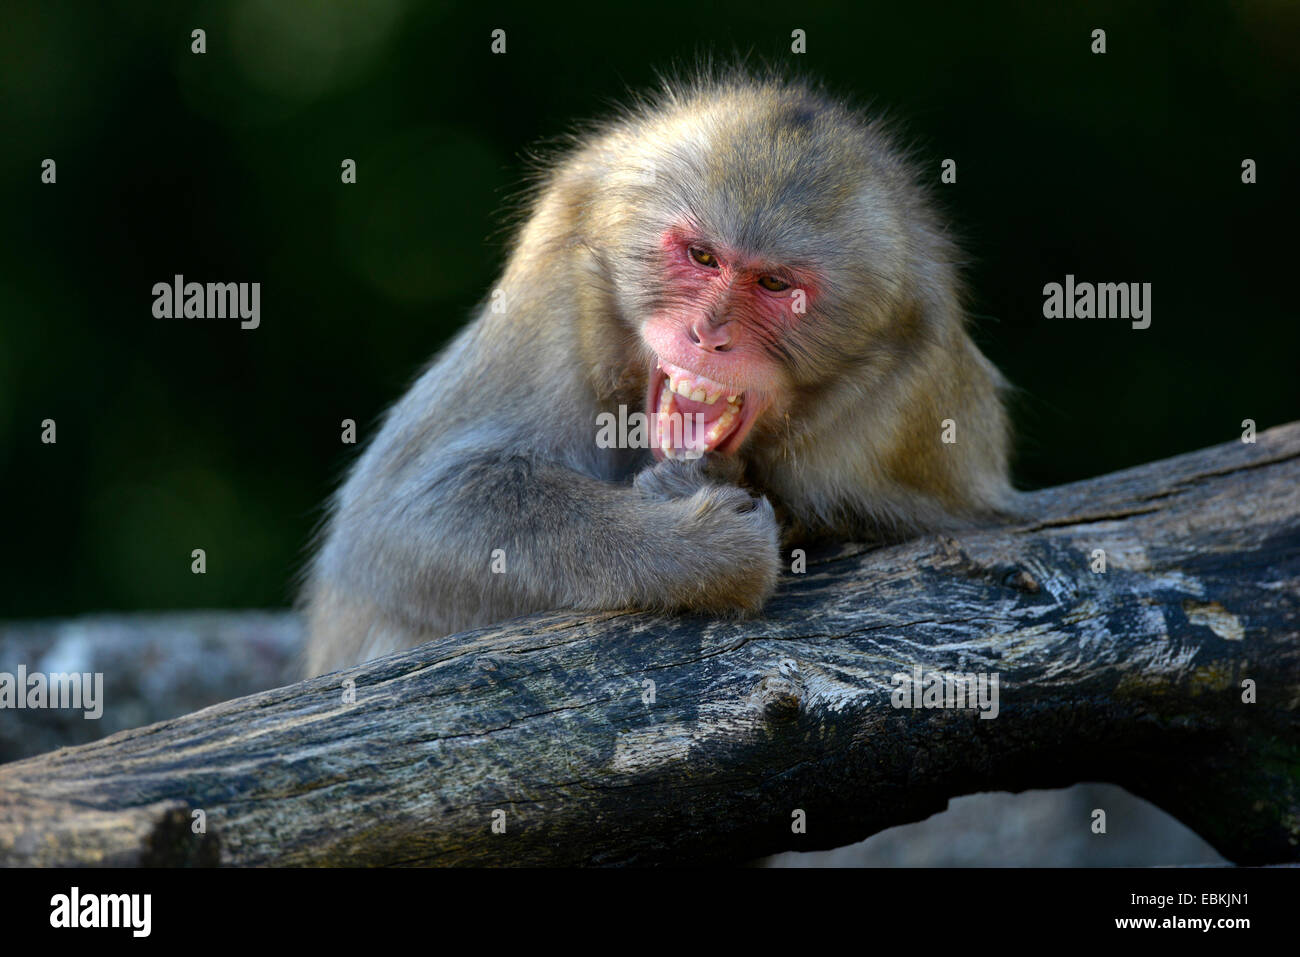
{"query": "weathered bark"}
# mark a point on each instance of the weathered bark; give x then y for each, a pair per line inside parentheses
(1132, 676)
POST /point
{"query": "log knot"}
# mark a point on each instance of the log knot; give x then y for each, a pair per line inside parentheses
(173, 843)
(1021, 580)
(780, 695)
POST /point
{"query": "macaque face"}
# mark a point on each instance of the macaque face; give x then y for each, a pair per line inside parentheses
(720, 337)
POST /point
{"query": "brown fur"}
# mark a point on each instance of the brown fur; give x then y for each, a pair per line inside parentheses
(493, 447)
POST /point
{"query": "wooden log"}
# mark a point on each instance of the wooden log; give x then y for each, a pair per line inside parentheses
(635, 739)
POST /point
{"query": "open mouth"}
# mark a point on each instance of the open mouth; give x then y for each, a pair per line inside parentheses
(694, 414)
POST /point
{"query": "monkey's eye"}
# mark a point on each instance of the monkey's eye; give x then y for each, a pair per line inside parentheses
(703, 257)
(772, 284)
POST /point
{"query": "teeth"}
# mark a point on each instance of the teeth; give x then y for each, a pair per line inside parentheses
(688, 390)
(684, 385)
(665, 436)
(721, 426)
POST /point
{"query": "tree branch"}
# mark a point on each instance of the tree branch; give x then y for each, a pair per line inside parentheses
(1133, 675)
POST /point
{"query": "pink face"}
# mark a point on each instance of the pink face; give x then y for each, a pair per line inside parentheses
(717, 340)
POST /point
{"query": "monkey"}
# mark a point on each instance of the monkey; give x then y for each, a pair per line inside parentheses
(747, 254)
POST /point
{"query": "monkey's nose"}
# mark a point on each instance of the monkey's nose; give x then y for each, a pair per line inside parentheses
(710, 337)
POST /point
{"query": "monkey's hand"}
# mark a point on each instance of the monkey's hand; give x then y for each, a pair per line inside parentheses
(682, 478)
(724, 541)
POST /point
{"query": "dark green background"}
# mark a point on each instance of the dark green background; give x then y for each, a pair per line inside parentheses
(174, 435)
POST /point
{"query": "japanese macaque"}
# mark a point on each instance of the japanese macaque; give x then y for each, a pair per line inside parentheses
(756, 264)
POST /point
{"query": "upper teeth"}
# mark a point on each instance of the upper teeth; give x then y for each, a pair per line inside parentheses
(687, 388)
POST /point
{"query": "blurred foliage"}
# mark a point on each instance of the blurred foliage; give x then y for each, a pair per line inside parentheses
(174, 435)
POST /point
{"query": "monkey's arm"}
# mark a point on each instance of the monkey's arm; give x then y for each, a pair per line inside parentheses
(672, 540)
(498, 534)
